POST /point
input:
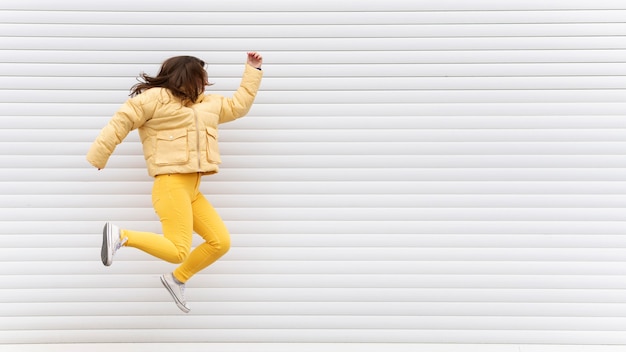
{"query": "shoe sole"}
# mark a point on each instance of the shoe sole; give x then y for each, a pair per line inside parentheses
(169, 289)
(105, 253)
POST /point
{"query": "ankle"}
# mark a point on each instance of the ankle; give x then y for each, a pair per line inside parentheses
(176, 280)
(123, 237)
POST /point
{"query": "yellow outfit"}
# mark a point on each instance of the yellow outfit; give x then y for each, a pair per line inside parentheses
(182, 210)
(180, 146)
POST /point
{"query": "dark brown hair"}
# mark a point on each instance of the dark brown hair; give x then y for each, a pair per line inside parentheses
(184, 76)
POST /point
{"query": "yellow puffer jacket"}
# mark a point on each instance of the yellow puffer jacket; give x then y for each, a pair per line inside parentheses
(176, 139)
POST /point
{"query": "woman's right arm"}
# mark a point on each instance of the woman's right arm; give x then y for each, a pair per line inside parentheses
(130, 116)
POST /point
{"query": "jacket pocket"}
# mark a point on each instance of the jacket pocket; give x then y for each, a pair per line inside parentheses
(171, 147)
(212, 149)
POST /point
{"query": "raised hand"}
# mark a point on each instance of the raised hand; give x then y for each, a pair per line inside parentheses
(255, 59)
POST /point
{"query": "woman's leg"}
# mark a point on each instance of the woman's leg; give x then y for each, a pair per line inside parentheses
(172, 197)
(209, 225)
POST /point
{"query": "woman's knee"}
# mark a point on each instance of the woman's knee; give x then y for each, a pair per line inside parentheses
(223, 245)
(180, 257)
(220, 245)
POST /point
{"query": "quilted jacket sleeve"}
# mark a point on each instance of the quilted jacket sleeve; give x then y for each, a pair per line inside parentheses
(130, 116)
(241, 102)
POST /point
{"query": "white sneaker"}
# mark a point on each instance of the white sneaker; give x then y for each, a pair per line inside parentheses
(176, 290)
(111, 242)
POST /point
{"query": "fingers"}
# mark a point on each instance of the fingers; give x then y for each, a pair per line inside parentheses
(255, 59)
(255, 55)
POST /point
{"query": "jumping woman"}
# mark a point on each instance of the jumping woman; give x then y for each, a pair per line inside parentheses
(177, 123)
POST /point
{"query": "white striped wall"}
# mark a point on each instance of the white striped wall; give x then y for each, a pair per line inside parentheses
(413, 172)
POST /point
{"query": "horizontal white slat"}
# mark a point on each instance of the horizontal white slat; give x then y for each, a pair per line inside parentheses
(363, 201)
(112, 90)
(398, 341)
(332, 175)
(312, 17)
(351, 227)
(302, 347)
(336, 227)
(281, 57)
(166, 307)
(347, 5)
(91, 200)
(457, 240)
(347, 148)
(118, 76)
(319, 44)
(340, 161)
(307, 347)
(311, 322)
(313, 31)
(406, 148)
(379, 135)
(435, 274)
(357, 240)
(212, 187)
(360, 110)
(569, 122)
(467, 276)
(259, 337)
(242, 135)
(359, 162)
(346, 97)
(313, 294)
(337, 214)
(349, 254)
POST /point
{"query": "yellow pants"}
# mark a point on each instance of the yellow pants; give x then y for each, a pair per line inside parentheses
(182, 209)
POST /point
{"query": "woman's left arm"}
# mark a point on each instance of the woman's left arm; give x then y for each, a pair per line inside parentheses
(241, 102)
